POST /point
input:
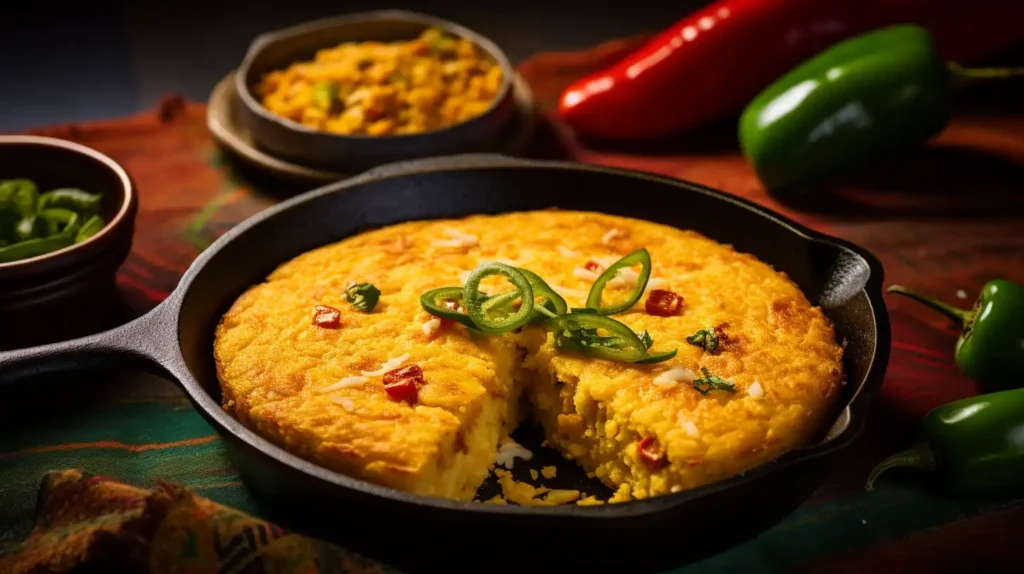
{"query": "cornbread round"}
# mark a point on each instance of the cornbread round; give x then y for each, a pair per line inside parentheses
(304, 388)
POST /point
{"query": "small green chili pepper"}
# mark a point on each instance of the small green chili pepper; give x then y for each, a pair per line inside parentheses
(91, 227)
(34, 247)
(579, 332)
(83, 202)
(991, 346)
(553, 303)
(640, 256)
(18, 196)
(474, 304)
(429, 301)
(976, 445)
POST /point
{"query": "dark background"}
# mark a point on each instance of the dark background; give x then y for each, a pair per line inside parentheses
(63, 61)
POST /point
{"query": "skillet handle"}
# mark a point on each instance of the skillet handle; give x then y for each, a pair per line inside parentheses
(145, 344)
(444, 162)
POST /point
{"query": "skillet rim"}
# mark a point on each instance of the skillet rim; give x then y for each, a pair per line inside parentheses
(858, 402)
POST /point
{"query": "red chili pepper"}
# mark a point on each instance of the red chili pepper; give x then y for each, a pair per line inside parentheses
(326, 317)
(712, 62)
(651, 452)
(593, 266)
(663, 303)
(403, 384)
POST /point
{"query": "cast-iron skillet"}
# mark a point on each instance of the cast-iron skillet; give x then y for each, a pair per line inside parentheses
(417, 532)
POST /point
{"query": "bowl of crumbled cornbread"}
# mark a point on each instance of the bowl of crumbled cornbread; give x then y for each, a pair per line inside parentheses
(360, 90)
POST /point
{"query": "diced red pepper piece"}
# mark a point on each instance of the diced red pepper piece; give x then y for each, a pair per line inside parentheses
(720, 332)
(663, 303)
(403, 384)
(593, 266)
(326, 317)
(651, 452)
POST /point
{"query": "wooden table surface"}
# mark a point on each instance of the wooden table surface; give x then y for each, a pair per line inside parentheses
(943, 219)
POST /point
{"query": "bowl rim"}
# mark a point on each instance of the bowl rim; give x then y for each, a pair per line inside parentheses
(108, 229)
(259, 44)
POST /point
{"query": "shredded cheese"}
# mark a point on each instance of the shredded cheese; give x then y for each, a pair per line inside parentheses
(628, 275)
(389, 365)
(567, 292)
(656, 283)
(509, 451)
(588, 275)
(607, 237)
(456, 239)
(345, 402)
(585, 274)
(447, 243)
(566, 252)
(690, 428)
(674, 375)
(756, 390)
(346, 383)
(430, 327)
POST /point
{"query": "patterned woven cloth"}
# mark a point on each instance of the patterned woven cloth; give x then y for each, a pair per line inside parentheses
(90, 523)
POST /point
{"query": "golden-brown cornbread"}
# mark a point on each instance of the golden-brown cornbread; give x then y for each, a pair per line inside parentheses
(274, 364)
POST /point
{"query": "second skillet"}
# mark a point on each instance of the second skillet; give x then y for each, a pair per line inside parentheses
(416, 532)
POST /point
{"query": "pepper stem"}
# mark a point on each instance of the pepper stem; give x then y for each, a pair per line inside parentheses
(958, 315)
(966, 76)
(920, 457)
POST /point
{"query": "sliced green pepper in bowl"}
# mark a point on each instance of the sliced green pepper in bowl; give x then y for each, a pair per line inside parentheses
(34, 224)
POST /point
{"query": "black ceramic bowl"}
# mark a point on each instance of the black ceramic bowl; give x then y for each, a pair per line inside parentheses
(350, 153)
(70, 292)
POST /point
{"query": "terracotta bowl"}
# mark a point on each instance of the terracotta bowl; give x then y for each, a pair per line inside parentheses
(70, 292)
(295, 142)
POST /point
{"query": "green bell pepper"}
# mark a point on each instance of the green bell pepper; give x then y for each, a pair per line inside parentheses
(860, 99)
(991, 346)
(976, 445)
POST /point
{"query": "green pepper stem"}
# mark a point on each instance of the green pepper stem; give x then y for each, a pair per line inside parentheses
(920, 457)
(958, 315)
(967, 76)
